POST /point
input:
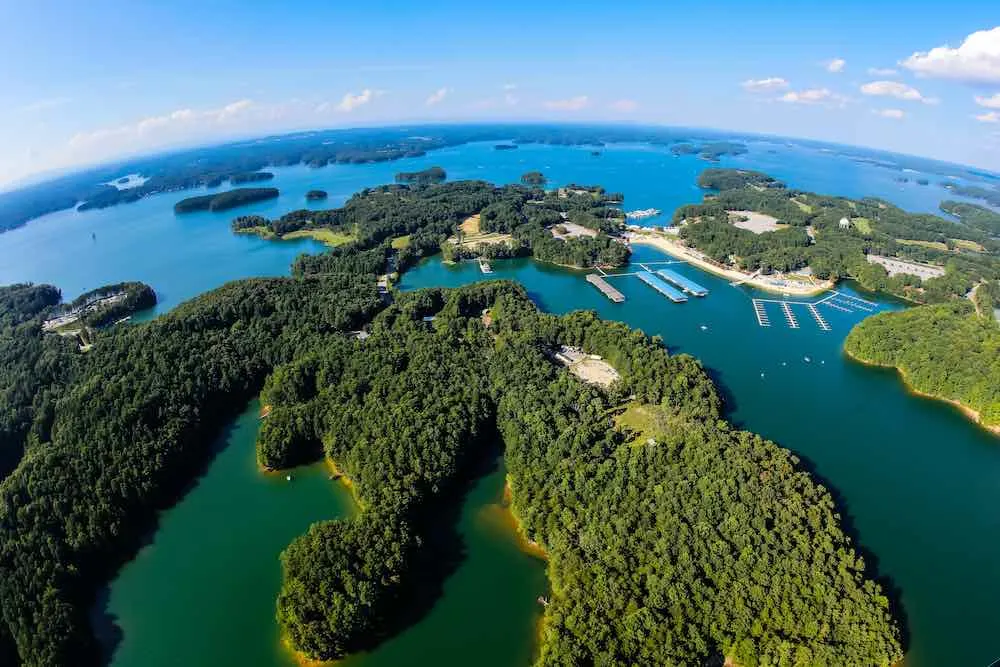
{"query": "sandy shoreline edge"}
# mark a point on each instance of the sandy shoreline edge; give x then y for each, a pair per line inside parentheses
(680, 252)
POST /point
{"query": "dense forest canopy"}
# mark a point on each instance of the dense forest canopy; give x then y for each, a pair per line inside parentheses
(815, 235)
(944, 350)
(643, 570)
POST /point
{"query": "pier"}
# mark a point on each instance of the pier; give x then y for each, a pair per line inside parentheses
(689, 286)
(661, 287)
(792, 322)
(484, 266)
(819, 318)
(758, 309)
(606, 289)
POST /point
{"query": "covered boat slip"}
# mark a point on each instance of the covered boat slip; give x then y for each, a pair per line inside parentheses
(661, 287)
(686, 284)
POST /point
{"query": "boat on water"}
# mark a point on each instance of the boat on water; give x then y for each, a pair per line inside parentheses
(643, 213)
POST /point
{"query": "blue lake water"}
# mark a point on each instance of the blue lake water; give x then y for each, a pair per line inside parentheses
(918, 481)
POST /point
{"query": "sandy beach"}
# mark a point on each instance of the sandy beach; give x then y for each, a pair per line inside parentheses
(766, 283)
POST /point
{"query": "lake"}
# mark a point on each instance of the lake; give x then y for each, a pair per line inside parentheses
(916, 480)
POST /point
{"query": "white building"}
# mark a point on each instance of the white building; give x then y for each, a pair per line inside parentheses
(845, 223)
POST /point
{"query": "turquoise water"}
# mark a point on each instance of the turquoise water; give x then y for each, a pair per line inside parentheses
(917, 479)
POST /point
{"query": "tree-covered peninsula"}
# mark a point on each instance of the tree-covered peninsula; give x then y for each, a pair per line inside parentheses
(406, 412)
(225, 200)
(686, 542)
(835, 237)
(947, 351)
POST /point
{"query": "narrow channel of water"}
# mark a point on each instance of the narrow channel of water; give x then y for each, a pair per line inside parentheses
(203, 591)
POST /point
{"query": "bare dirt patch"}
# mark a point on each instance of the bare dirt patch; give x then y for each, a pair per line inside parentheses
(758, 223)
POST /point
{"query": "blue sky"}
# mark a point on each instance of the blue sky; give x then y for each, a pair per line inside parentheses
(85, 82)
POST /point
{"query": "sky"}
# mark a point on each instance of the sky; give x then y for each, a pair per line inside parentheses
(88, 82)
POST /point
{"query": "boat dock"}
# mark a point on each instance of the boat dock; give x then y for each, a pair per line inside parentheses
(661, 287)
(762, 318)
(792, 322)
(819, 318)
(484, 266)
(689, 286)
(606, 289)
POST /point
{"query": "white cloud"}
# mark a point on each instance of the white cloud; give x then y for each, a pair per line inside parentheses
(770, 84)
(571, 104)
(989, 102)
(510, 86)
(814, 96)
(45, 105)
(883, 71)
(624, 106)
(989, 117)
(977, 60)
(437, 97)
(895, 89)
(350, 101)
(836, 65)
(889, 113)
(161, 130)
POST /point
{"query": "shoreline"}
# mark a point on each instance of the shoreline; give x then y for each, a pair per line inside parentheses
(970, 413)
(527, 545)
(681, 252)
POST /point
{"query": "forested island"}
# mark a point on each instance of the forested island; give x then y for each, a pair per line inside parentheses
(505, 147)
(422, 177)
(316, 195)
(753, 568)
(534, 178)
(225, 200)
(949, 351)
(710, 151)
(837, 237)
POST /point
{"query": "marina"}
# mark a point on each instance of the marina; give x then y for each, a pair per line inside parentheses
(606, 289)
(839, 301)
(661, 287)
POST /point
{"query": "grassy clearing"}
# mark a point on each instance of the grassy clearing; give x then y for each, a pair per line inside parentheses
(642, 420)
(401, 242)
(863, 225)
(321, 234)
(936, 245)
(802, 205)
(470, 226)
(969, 245)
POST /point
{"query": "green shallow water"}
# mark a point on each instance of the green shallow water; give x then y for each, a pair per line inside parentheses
(203, 591)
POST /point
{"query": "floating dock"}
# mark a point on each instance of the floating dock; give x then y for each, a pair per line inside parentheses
(758, 309)
(485, 267)
(792, 322)
(606, 289)
(661, 287)
(689, 286)
(819, 318)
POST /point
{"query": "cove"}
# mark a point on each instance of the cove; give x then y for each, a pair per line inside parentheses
(203, 591)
